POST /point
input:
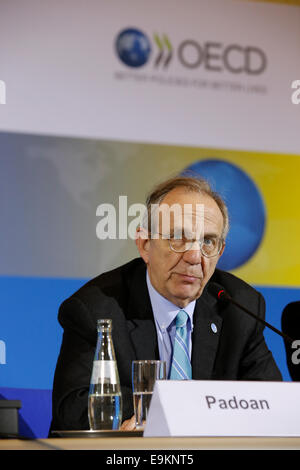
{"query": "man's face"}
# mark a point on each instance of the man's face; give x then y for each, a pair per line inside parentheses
(181, 277)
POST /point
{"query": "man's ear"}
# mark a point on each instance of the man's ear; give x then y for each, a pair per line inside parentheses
(142, 242)
(222, 249)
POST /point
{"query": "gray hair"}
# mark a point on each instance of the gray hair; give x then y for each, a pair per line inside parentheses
(190, 184)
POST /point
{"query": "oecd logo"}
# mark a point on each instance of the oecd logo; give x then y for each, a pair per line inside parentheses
(133, 47)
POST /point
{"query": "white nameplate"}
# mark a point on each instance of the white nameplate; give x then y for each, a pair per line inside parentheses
(224, 408)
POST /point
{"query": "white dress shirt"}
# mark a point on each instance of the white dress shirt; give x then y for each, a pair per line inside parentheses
(165, 313)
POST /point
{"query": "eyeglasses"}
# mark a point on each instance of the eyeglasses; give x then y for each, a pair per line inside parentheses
(209, 246)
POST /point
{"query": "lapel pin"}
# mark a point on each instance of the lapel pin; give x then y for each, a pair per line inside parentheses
(214, 327)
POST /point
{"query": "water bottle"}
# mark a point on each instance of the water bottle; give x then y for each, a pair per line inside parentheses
(105, 399)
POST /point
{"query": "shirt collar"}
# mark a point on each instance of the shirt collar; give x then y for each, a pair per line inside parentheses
(165, 311)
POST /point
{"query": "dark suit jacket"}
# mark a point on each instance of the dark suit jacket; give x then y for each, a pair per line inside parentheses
(237, 351)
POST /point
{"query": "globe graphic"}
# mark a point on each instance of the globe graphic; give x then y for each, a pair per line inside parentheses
(133, 47)
(245, 206)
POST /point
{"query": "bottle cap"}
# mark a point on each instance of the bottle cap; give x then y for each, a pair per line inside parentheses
(104, 324)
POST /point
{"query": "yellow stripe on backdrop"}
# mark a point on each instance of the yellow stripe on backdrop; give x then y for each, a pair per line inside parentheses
(277, 259)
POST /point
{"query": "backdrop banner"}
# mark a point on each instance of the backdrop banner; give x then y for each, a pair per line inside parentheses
(96, 110)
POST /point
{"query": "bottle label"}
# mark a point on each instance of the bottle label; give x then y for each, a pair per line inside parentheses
(104, 372)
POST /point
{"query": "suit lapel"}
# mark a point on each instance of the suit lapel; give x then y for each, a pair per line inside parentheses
(206, 334)
(144, 339)
(140, 320)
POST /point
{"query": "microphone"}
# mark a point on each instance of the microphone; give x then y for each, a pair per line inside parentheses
(218, 291)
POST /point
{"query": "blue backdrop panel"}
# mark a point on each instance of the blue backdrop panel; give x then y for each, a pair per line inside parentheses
(32, 337)
(30, 330)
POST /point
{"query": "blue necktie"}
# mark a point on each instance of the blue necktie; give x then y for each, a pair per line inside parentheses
(181, 368)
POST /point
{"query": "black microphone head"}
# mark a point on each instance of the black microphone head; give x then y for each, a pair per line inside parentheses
(290, 319)
(290, 325)
(218, 291)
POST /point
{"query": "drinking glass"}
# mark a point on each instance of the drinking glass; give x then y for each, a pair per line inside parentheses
(144, 375)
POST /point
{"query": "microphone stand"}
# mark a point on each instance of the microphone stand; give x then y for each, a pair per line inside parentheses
(222, 295)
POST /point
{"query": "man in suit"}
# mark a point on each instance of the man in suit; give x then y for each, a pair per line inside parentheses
(144, 296)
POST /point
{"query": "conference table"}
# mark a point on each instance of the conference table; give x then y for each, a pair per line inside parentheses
(140, 443)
